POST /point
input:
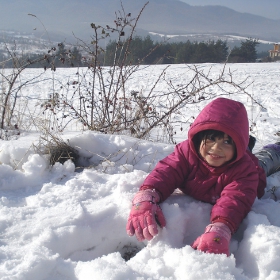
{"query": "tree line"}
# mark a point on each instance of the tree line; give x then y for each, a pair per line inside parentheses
(146, 51)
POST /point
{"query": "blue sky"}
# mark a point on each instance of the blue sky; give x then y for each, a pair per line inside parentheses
(265, 8)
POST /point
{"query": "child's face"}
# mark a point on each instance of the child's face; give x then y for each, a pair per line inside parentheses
(217, 151)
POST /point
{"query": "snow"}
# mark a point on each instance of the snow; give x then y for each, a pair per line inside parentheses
(65, 223)
(224, 36)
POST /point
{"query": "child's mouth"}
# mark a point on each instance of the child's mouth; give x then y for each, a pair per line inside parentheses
(215, 156)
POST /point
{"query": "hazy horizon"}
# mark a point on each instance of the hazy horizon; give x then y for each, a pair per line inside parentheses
(269, 8)
(61, 19)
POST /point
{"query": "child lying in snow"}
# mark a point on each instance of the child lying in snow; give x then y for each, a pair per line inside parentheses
(214, 165)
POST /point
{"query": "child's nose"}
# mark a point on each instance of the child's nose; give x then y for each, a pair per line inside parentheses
(217, 145)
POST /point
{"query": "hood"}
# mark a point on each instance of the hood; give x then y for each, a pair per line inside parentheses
(225, 115)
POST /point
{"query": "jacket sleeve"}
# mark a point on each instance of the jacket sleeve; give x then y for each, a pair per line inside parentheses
(170, 173)
(237, 197)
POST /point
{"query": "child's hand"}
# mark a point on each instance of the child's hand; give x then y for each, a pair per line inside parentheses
(214, 240)
(145, 215)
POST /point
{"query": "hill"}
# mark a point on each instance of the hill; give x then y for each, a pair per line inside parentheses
(63, 18)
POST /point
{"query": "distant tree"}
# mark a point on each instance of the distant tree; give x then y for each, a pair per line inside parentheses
(202, 53)
(246, 52)
(184, 52)
(166, 53)
(139, 48)
(140, 51)
(219, 51)
(249, 49)
(148, 45)
(61, 56)
(75, 57)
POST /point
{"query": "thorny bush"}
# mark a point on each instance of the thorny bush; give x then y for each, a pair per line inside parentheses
(99, 97)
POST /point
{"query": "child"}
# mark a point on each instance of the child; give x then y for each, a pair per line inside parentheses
(215, 166)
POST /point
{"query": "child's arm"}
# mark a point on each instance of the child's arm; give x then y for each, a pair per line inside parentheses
(230, 209)
(170, 173)
(145, 213)
(237, 197)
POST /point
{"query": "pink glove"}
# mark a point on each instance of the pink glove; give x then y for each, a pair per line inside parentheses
(145, 215)
(215, 239)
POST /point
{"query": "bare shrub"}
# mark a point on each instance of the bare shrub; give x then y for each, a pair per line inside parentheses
(99, 97)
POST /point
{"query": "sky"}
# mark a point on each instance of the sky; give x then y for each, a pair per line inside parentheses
(265, 8)
(62, 223)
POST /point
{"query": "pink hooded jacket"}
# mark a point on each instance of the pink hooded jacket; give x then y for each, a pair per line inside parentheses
(232, 187)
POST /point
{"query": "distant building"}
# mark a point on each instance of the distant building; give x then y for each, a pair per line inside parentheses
(275, 53)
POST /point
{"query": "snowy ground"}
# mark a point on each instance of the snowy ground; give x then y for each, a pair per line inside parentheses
(60, 223)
